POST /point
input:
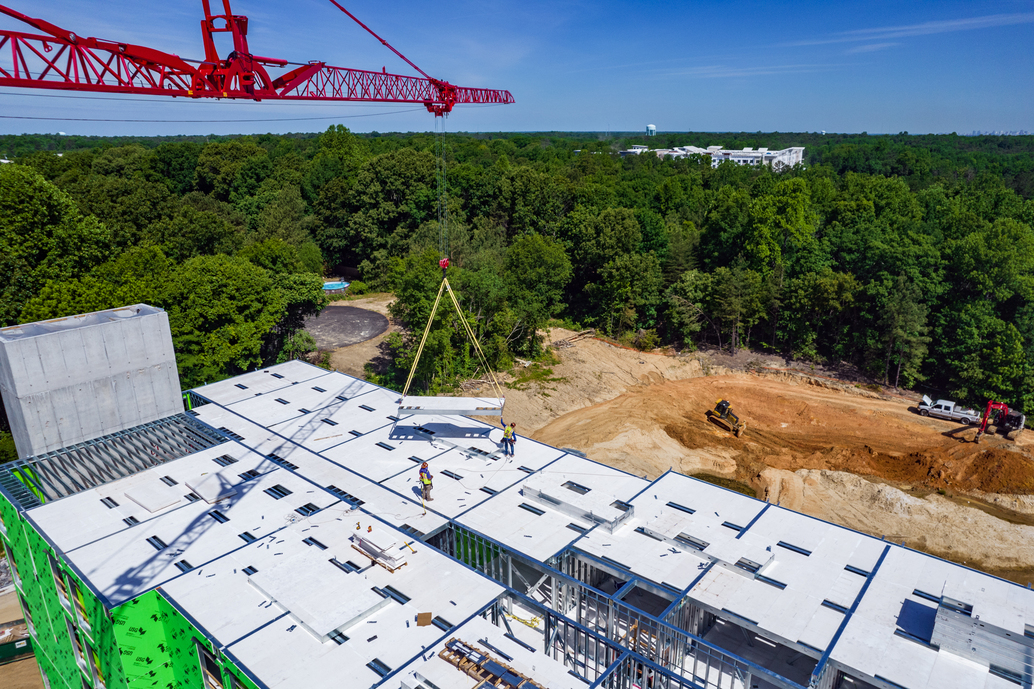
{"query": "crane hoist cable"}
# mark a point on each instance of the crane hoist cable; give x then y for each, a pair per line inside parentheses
(443, 262)
(443, 195)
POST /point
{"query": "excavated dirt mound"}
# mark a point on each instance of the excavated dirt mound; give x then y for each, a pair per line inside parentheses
(792, 424)
(834, 451)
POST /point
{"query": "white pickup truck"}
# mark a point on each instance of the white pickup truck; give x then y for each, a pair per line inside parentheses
(946, 409)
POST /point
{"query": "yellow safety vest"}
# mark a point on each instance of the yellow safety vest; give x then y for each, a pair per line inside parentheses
(425, 476)
(508, 433)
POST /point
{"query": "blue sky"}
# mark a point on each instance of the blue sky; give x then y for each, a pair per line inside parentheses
(847, 66)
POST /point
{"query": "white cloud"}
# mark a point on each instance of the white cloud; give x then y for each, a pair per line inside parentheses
(923, 29)
(730, 72)
(871, 48)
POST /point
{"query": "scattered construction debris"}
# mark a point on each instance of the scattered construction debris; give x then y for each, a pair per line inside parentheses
(569, 341)
(481, 666)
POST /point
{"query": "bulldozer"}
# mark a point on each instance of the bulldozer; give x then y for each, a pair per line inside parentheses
(723, 416)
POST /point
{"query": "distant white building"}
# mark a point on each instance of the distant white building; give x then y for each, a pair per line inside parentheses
(747, 156)
(637, 149)
(651, 130)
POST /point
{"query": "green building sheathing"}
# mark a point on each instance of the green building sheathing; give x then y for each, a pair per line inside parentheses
(80, 643)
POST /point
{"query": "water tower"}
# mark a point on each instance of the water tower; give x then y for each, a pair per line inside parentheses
(651, 130)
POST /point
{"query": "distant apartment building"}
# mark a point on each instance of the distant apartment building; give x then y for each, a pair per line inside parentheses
(748, 156)
(637, 150)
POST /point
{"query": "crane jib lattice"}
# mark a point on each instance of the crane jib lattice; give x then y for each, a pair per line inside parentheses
(59, 59)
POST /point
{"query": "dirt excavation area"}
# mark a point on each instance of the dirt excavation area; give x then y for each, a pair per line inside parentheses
(831, 450)
(589, 372)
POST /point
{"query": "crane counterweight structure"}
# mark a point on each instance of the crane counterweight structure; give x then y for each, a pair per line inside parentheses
(59, 59)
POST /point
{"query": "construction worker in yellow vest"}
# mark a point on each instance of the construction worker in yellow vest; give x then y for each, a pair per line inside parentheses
(425, 482)
(509, 437)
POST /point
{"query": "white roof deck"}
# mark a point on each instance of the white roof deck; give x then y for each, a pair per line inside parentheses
(259, 382)
(468, 474)
(813, 574)
(297, 401)
(810, 574)
(370, 455)
(540, 528)
(310, 592)
(543, 670)
(186, 527)
(332, 425)
(228, 421)
(869, 644)
(326, 470)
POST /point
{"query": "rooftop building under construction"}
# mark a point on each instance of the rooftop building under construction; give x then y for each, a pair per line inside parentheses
(273, 535)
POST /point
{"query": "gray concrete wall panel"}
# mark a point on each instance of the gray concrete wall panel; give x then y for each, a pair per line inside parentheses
(16, 416)
(168, 397)
(74, 379)
(42, 419)
(88, 408)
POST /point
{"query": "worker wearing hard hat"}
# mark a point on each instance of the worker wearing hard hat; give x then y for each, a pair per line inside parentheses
(425, 482)
(509, 437)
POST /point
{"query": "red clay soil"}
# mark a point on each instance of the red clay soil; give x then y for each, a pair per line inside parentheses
(793, 424)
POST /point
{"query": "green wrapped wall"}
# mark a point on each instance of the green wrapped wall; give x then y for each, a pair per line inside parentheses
(143, 643)
(56, 613)
(159, 646)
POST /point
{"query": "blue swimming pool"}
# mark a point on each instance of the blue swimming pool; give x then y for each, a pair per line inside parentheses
(335, 285)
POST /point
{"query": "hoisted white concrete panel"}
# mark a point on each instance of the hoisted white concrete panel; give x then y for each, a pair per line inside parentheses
(452, 406)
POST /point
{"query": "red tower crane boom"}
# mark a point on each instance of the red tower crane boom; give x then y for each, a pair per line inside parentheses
(60, 59)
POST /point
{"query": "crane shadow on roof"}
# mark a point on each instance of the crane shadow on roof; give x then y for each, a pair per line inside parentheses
(437, 429)
(147, 574)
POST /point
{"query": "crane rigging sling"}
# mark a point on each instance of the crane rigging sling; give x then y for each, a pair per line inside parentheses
(478, 406)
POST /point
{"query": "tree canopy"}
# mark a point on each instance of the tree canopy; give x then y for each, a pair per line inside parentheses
(909, 256)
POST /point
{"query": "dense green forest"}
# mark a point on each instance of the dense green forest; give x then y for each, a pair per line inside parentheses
(911, 257)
